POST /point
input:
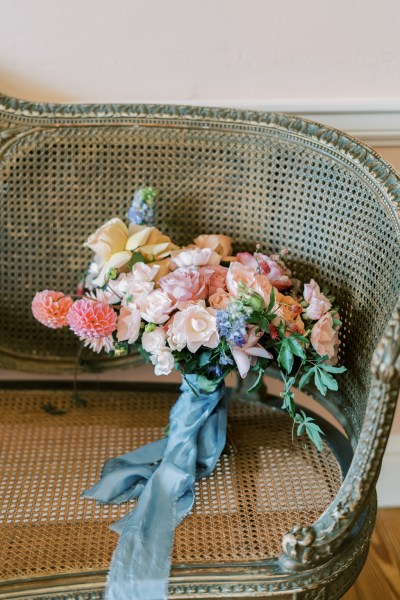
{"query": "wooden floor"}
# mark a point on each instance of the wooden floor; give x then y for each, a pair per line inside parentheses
(380, 578)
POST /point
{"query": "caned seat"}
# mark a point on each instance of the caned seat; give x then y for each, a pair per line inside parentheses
(275, 519)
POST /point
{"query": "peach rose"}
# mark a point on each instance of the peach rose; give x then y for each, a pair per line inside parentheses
(239, 275)
(219, 299)
(128, 324)
(218, 279)
(183, 285)
(323, 336)
(221, 244)
(150, 242)
(193, 327)
(194, 257)
(155, 307)
(263, 286)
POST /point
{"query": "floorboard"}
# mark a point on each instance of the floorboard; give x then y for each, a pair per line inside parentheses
(380, 578)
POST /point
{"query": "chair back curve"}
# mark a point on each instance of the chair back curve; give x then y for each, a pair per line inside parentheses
(262, 178)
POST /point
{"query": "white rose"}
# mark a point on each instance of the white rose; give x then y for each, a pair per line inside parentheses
(163, 362)
(153, 341)
(195, 257)
(128, 324)
(155, 307)
(193, 327)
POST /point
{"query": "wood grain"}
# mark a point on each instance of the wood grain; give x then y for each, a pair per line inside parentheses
(380, 578)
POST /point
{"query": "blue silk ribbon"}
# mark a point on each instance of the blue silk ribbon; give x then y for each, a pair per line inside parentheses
(162, 475)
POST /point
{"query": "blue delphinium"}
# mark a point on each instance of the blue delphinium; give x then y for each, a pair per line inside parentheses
(231, 324)
(141, 211)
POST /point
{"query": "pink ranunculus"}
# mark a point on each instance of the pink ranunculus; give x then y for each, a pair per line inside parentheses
(193, 327)
(218, 279)
(51, 308)
(318, 303)
(128, 324)
(219, 299)
(239, 276)
(222, 244)
(194, 257)
(155, 307)
(248, 260)
(317, 308)
(324, 337)
(245, 356)
(186, 284)
(92, 319)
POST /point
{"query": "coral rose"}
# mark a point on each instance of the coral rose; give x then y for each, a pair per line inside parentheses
(51, 308)
(221, 244)
(324, 337)
(193, 327)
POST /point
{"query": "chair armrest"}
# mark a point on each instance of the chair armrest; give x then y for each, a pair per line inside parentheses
(304, 547)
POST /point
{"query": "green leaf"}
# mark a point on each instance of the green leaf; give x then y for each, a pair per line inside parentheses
(296, 347)
(285, 356)
(136, 258)
(306, 378)
(319, 382)
(329, 381)
(337, 322)
(271, 303)
(256, 385)
(331, 368)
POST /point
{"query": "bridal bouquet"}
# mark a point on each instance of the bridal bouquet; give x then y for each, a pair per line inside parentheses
(205, 312)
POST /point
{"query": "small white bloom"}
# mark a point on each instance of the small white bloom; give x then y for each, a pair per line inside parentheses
(155, 307)
(154, 341)
(163, 362)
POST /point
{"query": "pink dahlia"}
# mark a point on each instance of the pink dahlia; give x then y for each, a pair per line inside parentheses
(51, 308)
(91, 319)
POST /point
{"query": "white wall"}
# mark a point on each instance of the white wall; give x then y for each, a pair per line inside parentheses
(278, 53)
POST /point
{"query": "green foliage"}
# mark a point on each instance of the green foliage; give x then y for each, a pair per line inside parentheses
(309, 426)
(135, 258)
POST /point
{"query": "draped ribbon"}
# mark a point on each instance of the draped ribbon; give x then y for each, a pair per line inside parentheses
(162, 475)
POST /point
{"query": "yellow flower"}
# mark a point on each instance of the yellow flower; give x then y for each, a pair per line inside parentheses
(150, 242)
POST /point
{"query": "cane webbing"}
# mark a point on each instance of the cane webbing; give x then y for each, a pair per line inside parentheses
(58, 185)
(258, 491)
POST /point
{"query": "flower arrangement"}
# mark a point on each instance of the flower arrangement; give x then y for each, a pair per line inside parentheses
(207, 313)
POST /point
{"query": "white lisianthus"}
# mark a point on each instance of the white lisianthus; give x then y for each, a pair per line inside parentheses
(154, 341)
(163, 362)
(194, 257)
(128, 324)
